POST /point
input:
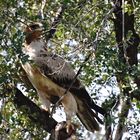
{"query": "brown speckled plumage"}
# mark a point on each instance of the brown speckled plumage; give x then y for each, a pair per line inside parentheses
(51, 75)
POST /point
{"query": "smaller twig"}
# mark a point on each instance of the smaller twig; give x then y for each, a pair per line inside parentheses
(109, 125)
(16, 18)
(102, 26)
(54, 25)
(94, 43)
(41, 11)
(66, 91)
(123, 116)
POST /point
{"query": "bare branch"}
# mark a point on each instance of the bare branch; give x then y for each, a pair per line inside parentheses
(55, 23)
(122, 117)
(66, 91)
(92, 52)
(36, 114)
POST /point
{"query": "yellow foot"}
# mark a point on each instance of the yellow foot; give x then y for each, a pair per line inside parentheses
(70, 128)
(65, 130)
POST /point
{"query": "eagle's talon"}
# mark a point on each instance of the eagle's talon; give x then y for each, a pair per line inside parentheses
(64, 131)
(70, 128)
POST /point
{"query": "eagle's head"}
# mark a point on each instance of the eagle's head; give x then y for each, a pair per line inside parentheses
(33, 32)
(34, 42)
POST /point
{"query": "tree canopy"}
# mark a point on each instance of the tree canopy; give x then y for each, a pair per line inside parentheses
(101, 41)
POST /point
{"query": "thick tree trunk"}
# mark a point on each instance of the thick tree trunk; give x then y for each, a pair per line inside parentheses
(128, 49)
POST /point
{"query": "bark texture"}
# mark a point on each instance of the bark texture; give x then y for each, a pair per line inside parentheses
(128, 50)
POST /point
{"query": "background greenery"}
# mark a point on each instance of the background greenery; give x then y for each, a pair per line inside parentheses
(86, 28)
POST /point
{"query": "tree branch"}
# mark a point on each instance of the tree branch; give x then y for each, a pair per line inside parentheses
(58, 18)
(122, 117)
(55, 23)
(40, 116)
(36, 114)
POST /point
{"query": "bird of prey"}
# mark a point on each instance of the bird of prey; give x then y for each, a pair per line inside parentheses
(51, 76)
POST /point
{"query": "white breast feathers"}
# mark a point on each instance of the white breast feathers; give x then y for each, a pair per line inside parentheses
(34, 48)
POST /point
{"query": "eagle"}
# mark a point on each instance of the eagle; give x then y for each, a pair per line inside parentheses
(51, 76)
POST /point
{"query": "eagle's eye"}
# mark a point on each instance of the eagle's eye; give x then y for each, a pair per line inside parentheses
(34, 26)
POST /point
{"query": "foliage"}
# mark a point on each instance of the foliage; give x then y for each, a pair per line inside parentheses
(86, 27)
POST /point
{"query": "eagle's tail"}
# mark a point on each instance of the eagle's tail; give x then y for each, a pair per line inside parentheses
(88, 118)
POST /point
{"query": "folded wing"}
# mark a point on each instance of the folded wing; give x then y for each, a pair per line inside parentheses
(61, 73)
